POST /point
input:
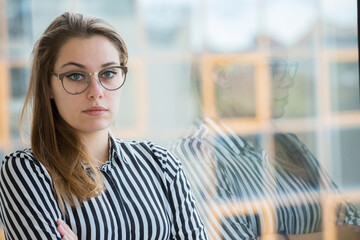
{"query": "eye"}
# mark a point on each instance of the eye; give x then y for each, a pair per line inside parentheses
(108, 74)
(275, 69)
(75, 76)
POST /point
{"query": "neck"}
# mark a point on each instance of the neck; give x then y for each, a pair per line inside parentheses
(98, 146)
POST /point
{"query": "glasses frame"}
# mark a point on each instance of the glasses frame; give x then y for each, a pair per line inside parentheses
(288, 65)
(60, 76)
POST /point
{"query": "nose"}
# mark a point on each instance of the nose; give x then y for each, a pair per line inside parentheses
(287, 81)
(95, 89)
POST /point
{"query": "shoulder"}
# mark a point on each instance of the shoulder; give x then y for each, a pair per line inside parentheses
(19, 157)
(292, 144)
(148, 152)
(193, 148)
(21, 163)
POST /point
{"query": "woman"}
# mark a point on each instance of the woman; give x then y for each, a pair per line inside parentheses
(242, 194)
(77, 179)
(246, 192)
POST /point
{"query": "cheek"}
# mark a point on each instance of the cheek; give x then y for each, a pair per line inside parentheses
(62, 109)
(66, 106)
(114, 102)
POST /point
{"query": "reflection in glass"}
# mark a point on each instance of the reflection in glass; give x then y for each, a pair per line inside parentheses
(302, 95)
(344, 79)
(345, 154)
(165, 20)
(248, 187)
(339, 23)
(231, 25)
(235, 94)
(243, 191)
(236, 27)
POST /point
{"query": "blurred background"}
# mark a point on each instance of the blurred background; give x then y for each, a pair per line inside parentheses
(192, 59)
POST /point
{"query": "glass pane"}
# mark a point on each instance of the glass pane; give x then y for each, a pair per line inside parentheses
(19, 84)
(230, 25)
(345, 157)
(340, 20)
(344, 78)
(290, 22)
(170, 83)
(302, 95)
(166, 24)
(235, 94)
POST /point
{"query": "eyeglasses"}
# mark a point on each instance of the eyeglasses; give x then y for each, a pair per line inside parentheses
(76, 82)
(279, 69)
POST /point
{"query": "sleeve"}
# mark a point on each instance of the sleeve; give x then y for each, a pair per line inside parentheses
(347, 213)
(198, 158)
(187, 223)
(28, 207)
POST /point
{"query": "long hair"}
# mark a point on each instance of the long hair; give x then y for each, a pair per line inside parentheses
(292, 155)
(53, 141)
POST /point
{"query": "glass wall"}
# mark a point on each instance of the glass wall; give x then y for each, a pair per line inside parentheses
(260, 70)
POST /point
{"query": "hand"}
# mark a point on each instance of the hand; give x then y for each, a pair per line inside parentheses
(65, 231)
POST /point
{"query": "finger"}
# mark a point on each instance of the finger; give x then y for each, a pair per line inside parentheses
(65, 230)
(61, 228)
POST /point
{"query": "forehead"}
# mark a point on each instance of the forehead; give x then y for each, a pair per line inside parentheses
(88, 51)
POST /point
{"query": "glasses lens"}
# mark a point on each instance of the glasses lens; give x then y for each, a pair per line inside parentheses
(75, 82)
(112, 78)
(292, 70)
(278, 71)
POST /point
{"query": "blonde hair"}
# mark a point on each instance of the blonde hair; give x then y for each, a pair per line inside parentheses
(53, 141)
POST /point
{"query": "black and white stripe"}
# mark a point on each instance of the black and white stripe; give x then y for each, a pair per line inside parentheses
(147, 196)
(224, 168)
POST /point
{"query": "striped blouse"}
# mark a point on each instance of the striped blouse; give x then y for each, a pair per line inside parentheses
(147, 196)
(231, 182)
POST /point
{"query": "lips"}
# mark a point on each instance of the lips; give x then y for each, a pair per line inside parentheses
(95, 111)
(280, 95)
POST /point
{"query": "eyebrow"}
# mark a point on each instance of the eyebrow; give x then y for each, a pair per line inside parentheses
(82, 66)
(109, 64)
(73, 63)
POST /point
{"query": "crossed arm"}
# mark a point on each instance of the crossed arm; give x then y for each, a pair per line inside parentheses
(65, 231)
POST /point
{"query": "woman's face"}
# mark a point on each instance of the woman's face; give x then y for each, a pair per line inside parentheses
(96, 108)
(282, 81)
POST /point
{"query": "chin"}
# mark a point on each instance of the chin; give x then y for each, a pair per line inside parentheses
(278, 112)
(91, 128)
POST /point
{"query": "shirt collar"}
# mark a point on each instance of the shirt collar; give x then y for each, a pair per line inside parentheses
(115, 150)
